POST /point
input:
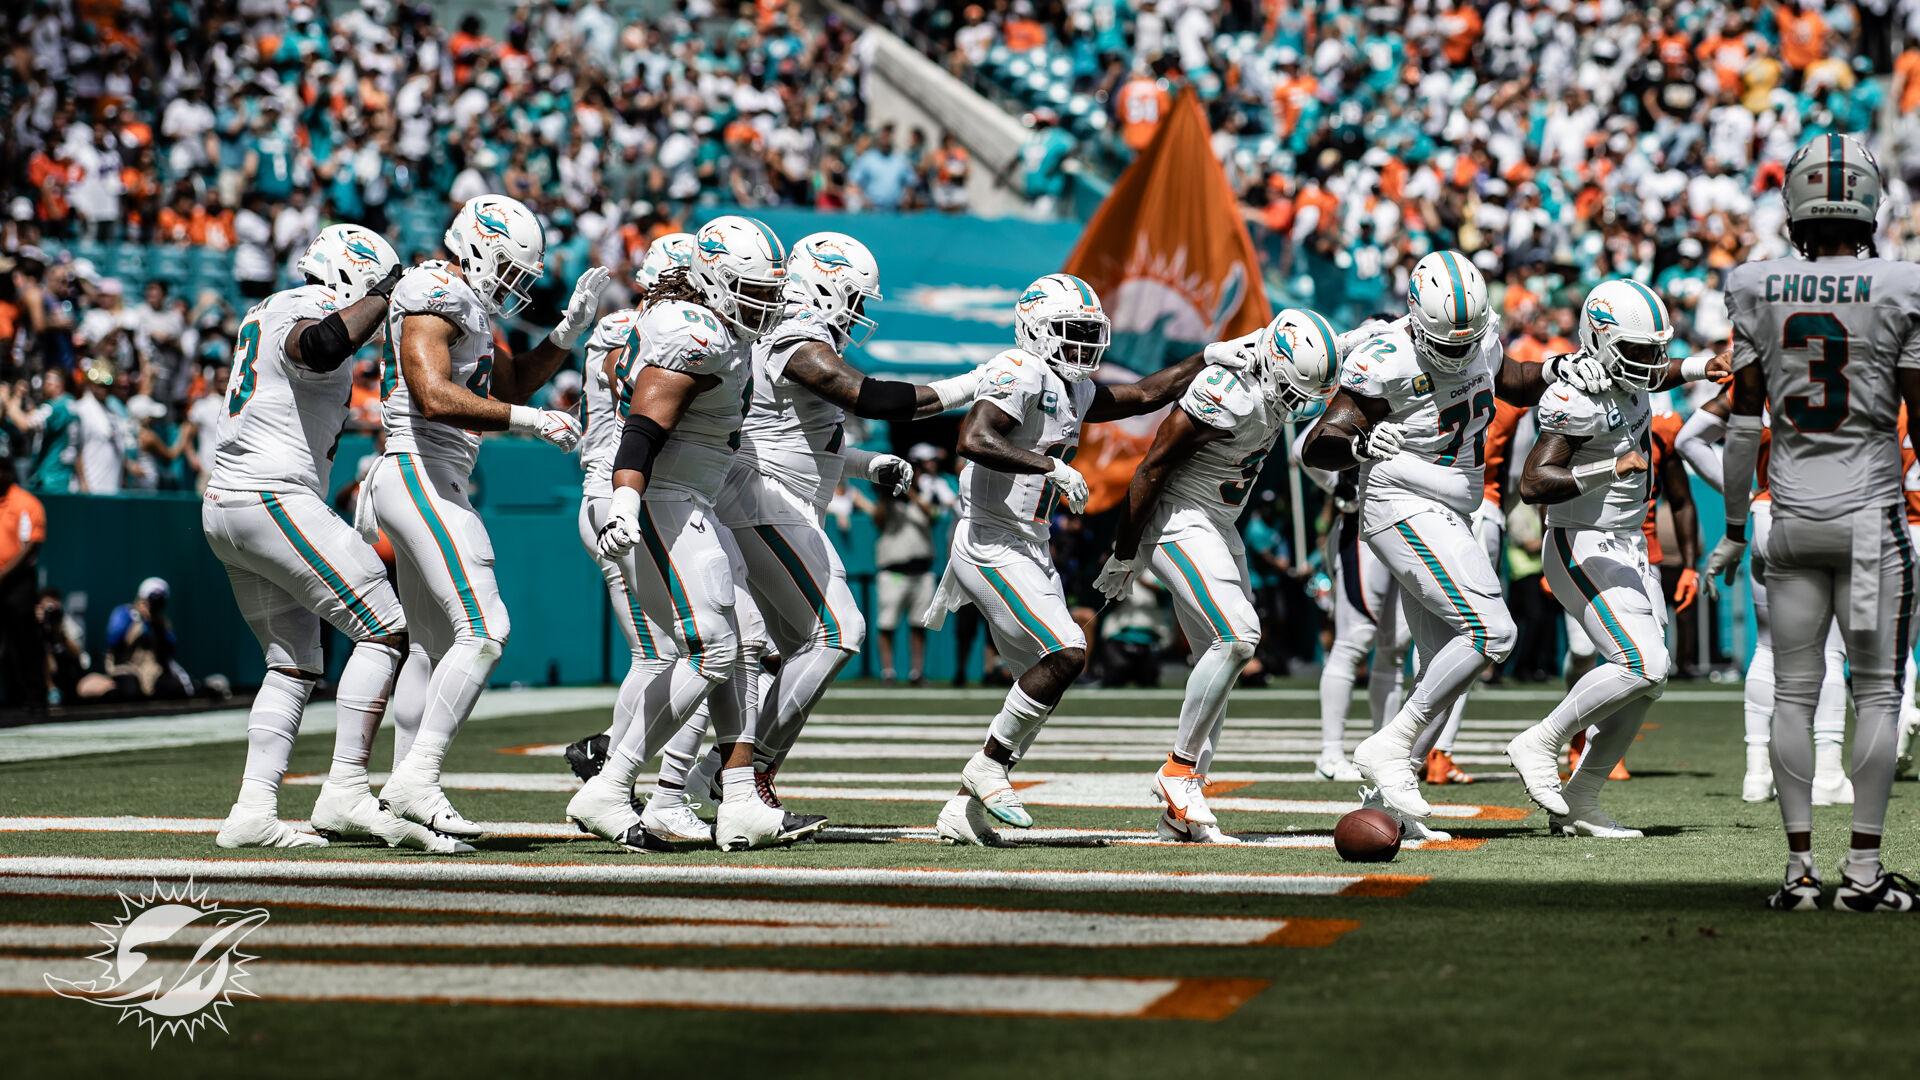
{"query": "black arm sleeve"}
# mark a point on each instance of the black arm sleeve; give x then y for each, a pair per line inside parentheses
(885, 399)
(325, 345)
(640, 443)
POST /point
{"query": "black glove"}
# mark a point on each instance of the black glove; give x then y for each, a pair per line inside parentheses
(384, 288)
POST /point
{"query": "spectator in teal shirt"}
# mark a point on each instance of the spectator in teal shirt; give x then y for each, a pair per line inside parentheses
(54, 420)
(1043, 161)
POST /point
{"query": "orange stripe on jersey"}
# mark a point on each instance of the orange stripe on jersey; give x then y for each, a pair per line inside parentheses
(1506, 421)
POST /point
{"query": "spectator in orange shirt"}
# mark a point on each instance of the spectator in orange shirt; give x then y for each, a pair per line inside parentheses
(23, 659)
(1906, 80)
(1139, 105)
(1462, 26)
(1803, 34)
(1024, 32)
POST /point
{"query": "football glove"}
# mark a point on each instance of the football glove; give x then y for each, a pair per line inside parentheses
(1580, 371)
(1115, 580)
(890, 472)
(1070, 484)
(581, 308)
(1723, 562)
(1234, 354)
(1381, 442)
(562, 429)
(618, 536)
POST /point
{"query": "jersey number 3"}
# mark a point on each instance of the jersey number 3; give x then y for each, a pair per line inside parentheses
(1826, 337)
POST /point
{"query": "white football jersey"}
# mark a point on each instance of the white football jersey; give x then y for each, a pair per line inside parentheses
(433, 288)
(680, 336)
(604, 417)
(1830, 334)
(1048, 409)
(1209, 490)
(1610, 423)
(790, 442)
(281, 421)
(1445, 415)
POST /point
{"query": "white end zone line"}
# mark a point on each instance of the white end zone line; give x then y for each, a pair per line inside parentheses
(641, 870)
(764, 989)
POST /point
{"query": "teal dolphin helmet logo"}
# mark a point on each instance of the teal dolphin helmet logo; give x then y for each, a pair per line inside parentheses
(361, 250)
(828, 258)
(1033, 296)
(494, 225)
(712, 246)
(1601, 314)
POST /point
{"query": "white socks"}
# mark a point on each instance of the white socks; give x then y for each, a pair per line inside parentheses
(1598, 695)
(1337, 677)
(410, 700)
(365, 686)
(1759, 695)
(1019, 721)
(1215, 671)
(456, 684)
(737, 786)
(803, 680)
(271, 725)
(1605, 747)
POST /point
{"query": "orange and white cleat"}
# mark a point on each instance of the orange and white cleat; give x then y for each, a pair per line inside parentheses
(1442, 770)
(1183, 792)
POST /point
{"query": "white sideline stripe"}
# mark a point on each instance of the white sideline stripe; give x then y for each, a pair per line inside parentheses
(957, 752)
(694, 987)
(1056, 734)
(543, 830)
(1484, 693)
(1060, 789)
(40, 742)
(652, 922)
(663, 873)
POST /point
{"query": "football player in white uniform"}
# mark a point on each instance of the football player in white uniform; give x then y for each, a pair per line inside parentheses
(668, 816)
(292, 561)
(790, 463)
(1366, 620)
(692, 378)
(1019, 440)
(1415, 399)
(1181, 515)
(1696, 442)
(1591, 469)
(441, 387)
(1829, 342)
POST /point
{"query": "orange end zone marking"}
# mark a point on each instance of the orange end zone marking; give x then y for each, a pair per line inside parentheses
(1503, 813)
(1204, 999)
(1022, 785)
(1460, 844)
(1222, 787)
(1385, 885)
(1310, 933)
(523, 748)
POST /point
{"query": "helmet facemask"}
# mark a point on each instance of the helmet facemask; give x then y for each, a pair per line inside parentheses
(1078, 343)
(757, 305)
(1451, 355)
(1637, 365)
(509, 286)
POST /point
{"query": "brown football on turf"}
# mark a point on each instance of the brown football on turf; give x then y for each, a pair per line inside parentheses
(1367, 835)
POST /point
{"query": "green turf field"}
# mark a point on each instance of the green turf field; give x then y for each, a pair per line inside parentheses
(1084, 952)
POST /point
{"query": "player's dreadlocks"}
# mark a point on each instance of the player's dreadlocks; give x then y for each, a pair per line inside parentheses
(674, 284)
(1811, 237)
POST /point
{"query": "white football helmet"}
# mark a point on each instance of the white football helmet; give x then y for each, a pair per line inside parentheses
(673, 249)
(1624, 325)
(740, 268)
(349, 260)
(1299, 361)
(1447, 298)
(1833, 177)
(501, 251)
(835, 275)
(1060, 320)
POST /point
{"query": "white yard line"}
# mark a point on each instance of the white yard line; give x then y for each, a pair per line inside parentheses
(646, 871)
(1121, 790)
(708, 988)
(543, 830)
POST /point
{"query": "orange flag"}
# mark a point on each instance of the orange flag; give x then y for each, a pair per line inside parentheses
(1171, 259)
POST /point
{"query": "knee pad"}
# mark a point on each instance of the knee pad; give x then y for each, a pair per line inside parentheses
(1501, 634)
(1656, 666)
(718, 655)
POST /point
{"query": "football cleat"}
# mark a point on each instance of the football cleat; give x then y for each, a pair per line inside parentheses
(1798, 894)
(1442, 770)
(796, 827)
(670, 816)
(1410, 828)
(257, 828)
(963, 821)
(1757, 786)
(744, 824)
(586, 757)
(1539, 769)
(1192, 832)
(1593, 822)
(421, 801)
(1888, 892)
(1184, 793)
(1333, 765)
(763, 783)
(1384, 763)
(987, 780)
(341, 814)
(601, 809)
